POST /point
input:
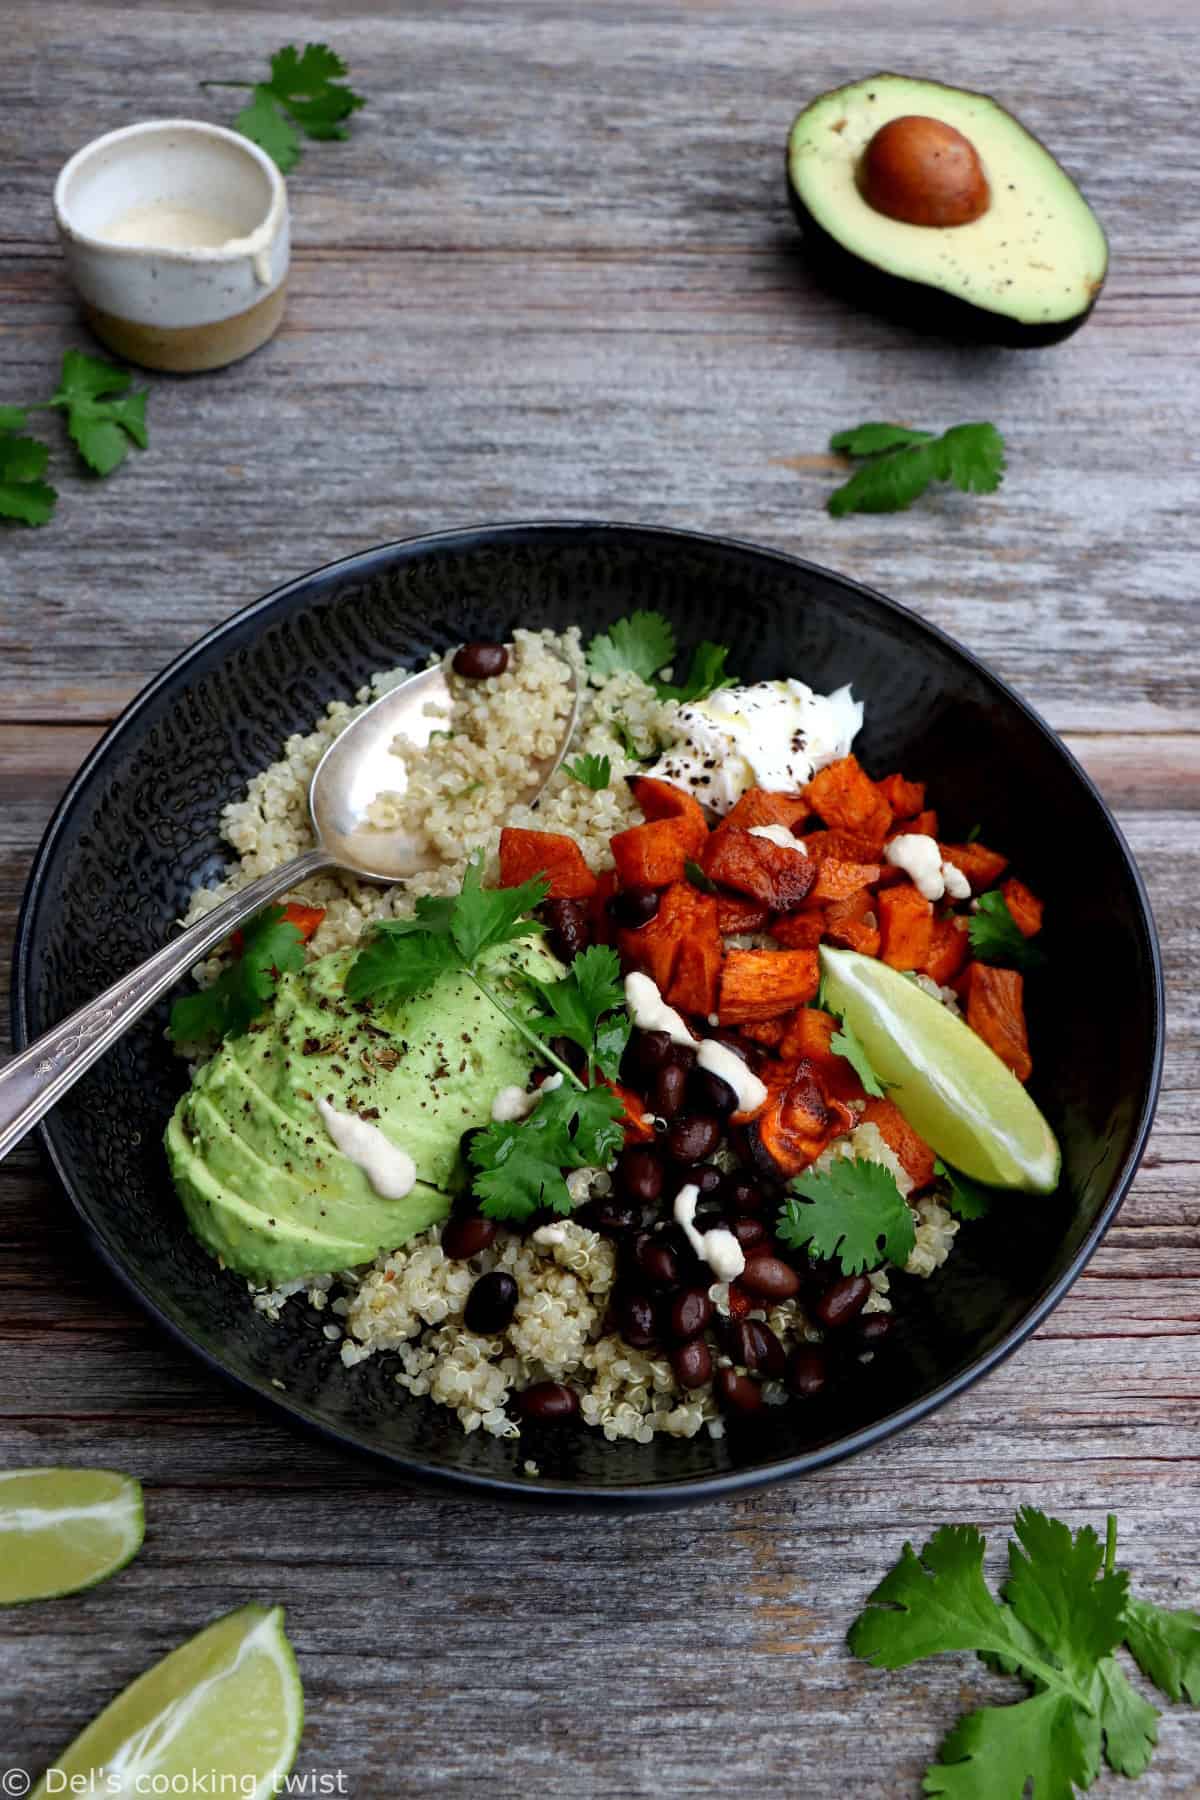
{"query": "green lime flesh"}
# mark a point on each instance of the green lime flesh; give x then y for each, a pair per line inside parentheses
(946, 1081)
(65, 1529)
(226, 1706)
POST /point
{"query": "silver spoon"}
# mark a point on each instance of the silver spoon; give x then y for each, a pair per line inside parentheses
(359, 765)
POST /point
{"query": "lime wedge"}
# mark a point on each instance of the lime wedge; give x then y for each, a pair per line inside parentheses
(220, 1715)
(949, 1085)
(65, 1529)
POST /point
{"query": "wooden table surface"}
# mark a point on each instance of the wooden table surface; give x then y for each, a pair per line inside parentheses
(553, 273)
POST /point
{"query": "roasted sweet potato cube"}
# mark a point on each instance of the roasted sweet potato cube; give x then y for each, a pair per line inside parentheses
(996, 1010)
(797, 1121)
(981, 866)
(766, 984)
(853, 923)
(912, 1152)
(924, 822)
(758, 806)
(654, 948)
(1024, 905)
(848, 800)
(905, 926)
(842, 846)
(800, 930)
(837, 880)
(904, 797)
(949, 947)
(693, 984)
(736, 913)
(524, 854)
(652, 855)
(663, 800)
(780, 878)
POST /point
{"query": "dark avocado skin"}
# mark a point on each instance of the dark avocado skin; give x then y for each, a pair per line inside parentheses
(916, 304)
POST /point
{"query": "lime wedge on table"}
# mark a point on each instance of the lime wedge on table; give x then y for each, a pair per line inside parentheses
(227, 1704)
(65, 1529)
(946, 1081)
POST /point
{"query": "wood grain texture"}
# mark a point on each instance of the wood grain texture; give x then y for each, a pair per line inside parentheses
(553, 274)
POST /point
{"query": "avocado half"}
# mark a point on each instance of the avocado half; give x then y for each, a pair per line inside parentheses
(1026, 272)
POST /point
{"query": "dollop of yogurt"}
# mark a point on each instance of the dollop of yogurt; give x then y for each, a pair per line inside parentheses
(772, 734)
(390, 1170)
(920, 857)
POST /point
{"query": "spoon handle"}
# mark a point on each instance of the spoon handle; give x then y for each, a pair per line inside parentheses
(33, 1081)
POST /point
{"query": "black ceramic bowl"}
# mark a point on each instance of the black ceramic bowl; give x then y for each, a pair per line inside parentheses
(137, 832)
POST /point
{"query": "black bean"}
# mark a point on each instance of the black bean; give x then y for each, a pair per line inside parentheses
(707, 1178)
(769, 1355)
(635, 1319)
(807, 1371)
(872, 1329)
(752, 1345)
(568, 928)
(754, 1055)
(708, 1093)
(690, 1313)
(740, 1194)
(467, 1235)
(693, 1137)
(568, 1051)
(479, 661)
(749, 1232)
(491, 1303)
(738, 1393)
(609, 1214)
(843, 1301)
(692, 1363)
(769, 1276)
(550, 1402)
(640, 1174)
(670, 1085)
(654, 1260)
(650, 1050)
(634, 906)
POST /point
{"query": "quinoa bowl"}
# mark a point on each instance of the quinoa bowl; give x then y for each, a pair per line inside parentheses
(139, 836)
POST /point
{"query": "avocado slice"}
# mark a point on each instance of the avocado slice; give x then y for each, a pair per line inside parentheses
(262, 1184)
(1023, 268)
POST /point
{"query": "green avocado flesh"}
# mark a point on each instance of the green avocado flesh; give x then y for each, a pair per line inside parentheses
(262, 1184)
(1036, 258)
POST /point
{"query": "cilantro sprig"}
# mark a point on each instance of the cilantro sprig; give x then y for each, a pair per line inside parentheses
(271, 946)
(519, 1168)
(846, 1042)
(304, 93)
(852, 1211)
(899, 464)
(593, 772)
(103, 420)
(995, 936)
(969, 1199)
(644, 643)
(1065, 1612)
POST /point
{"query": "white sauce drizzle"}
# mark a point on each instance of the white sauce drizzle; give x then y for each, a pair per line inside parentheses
(921, 858)
(719, 1249)
(513, 1103)
(779, 834)
(650, 1012)
(390, 1170)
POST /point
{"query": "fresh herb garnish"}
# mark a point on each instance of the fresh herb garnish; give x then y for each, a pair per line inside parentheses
(271, 946)
(853, 1211)
(519, 1167)
(592, 771)
(846, 1042)
(699, 879)
(1065, 1611)
(304, 94)
(626, 739)
(644, 643)
(103, 419)
(967, 1198)
(974, 834)
(576, 1008)
(900, 464)
(996, 937)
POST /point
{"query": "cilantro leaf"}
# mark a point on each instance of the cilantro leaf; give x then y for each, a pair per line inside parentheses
(1166, 1648)
(900, 468)
(846, 1042)
(271, 946)
(706, 673)
(484, 917)
(935, 1602)
(1129, 1724)
(576, 1004)
(873, 438)
(626, 739)
(969, 1199)
(102, 418)
(400, 960)
(854, 1212)
(13, 418)
(263, 123)
(644, 643)
(996, 1751)
(593, 771)
(24, 496)
(519, 1167)
(699, 880)
(1053, 1589)
(995, 936)
(303, 94)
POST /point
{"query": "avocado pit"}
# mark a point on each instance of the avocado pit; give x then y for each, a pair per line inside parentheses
(921, 171)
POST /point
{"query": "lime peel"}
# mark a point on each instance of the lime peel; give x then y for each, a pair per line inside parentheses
(951, 1086)
(62, 1530)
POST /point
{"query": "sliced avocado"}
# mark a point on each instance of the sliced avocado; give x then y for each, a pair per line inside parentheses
(1023, 268)
(262, 1183)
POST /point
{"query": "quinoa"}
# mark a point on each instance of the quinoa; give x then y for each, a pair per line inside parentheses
(409, 1302)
